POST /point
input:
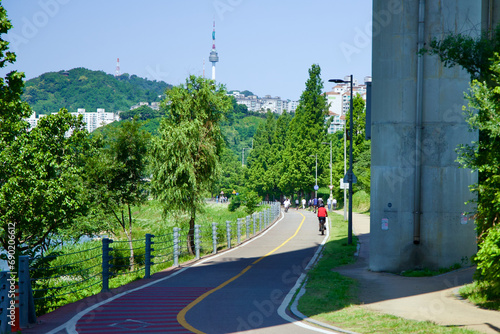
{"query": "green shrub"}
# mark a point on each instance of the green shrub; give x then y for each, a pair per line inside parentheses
(235, 203)
(252, 199)
(488, 260)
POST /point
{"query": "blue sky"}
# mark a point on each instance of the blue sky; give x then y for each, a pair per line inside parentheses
(264, 46)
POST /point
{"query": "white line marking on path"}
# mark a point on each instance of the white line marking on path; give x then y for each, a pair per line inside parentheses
(70, 325)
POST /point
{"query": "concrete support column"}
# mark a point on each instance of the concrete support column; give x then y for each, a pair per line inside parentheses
(401, 148)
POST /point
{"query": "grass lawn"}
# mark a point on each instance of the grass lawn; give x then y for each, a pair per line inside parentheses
(331, 297)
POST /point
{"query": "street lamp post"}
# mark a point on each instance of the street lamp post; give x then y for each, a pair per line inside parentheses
(345, 173)
(350, 174)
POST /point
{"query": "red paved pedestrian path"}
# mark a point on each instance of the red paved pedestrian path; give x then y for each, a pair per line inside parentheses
(154, 308)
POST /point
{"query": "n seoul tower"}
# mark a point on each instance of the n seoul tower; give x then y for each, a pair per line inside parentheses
(213, 54)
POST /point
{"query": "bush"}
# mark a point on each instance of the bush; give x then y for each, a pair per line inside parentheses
(235, 203)
(252, 199)
(488, 260)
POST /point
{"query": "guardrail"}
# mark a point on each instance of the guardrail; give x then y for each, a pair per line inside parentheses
(58, 275)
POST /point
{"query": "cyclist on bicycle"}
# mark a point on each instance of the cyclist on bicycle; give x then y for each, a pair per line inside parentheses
(322, 214)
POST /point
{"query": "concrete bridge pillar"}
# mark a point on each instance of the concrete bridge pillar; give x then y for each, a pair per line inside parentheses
(418, 190)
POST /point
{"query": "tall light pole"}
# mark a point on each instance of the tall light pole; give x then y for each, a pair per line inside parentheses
(316, 185)
(345, 170)
(349, 175)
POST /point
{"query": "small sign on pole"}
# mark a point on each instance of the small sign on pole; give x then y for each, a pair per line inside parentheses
(344, 185)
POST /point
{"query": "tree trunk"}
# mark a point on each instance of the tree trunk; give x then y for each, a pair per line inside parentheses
(190, 236)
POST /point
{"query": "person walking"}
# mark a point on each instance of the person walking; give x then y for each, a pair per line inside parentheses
(303, 203)
(315, 204)
(296, 204)
(329, 203)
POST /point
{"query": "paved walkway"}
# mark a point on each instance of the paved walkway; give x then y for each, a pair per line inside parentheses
(420, 298)
(246, 288)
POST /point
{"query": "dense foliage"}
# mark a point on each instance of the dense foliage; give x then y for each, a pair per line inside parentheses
(42, 176)
(118, 176)
(474, 54)
(479, 56)
(83, 88)
(185, 155)
(143, 113)
(283, 160)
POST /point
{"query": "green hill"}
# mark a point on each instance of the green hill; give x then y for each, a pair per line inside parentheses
(83, 88)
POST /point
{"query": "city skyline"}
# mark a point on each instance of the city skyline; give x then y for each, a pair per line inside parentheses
(266, 48)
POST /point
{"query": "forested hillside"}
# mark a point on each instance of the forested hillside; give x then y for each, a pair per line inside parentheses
(83, 88)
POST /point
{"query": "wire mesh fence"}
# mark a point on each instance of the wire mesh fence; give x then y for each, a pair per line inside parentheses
(98, 265)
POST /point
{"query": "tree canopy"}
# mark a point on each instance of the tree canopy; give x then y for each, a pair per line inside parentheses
(42, 174)
(185, 154)
(479, 56)
(84, 88)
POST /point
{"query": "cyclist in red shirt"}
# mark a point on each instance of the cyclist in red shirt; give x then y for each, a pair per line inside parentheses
(322, 214)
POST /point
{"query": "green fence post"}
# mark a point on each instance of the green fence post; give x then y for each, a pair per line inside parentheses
(148, 255)
(105, 263)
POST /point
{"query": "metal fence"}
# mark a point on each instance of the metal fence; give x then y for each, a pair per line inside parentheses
(59, 275)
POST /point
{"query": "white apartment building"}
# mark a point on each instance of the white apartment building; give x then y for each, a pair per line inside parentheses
(339, 99)
(257, 104)
(92, 120)
(33, 120)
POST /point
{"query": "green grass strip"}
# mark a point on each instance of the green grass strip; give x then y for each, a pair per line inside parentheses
(331, 297)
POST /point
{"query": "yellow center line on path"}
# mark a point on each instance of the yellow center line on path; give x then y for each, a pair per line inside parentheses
(181, 317)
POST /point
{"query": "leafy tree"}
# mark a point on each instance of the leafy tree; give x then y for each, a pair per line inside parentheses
(43, 180)
(474, 54)
(231, 176)
(185, 155)
(143, 113)
(260, 157)
(42, 174)
(276, 161)
(361, 146)
(252, 200)
(83, 88)
(483, 115)
(118, 175)
(479, 56)
(305, 134)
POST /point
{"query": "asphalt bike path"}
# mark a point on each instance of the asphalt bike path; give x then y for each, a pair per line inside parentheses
(246, 289)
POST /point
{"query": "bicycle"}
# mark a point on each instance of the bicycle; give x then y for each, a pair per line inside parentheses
(322, 223)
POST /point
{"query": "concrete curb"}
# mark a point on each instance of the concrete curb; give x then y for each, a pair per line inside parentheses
(300, 285)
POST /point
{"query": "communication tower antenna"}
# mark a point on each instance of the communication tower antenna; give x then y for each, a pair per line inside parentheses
(214, 57)
(117, 71)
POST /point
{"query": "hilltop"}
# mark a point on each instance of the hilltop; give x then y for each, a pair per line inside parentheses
(88, 89)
